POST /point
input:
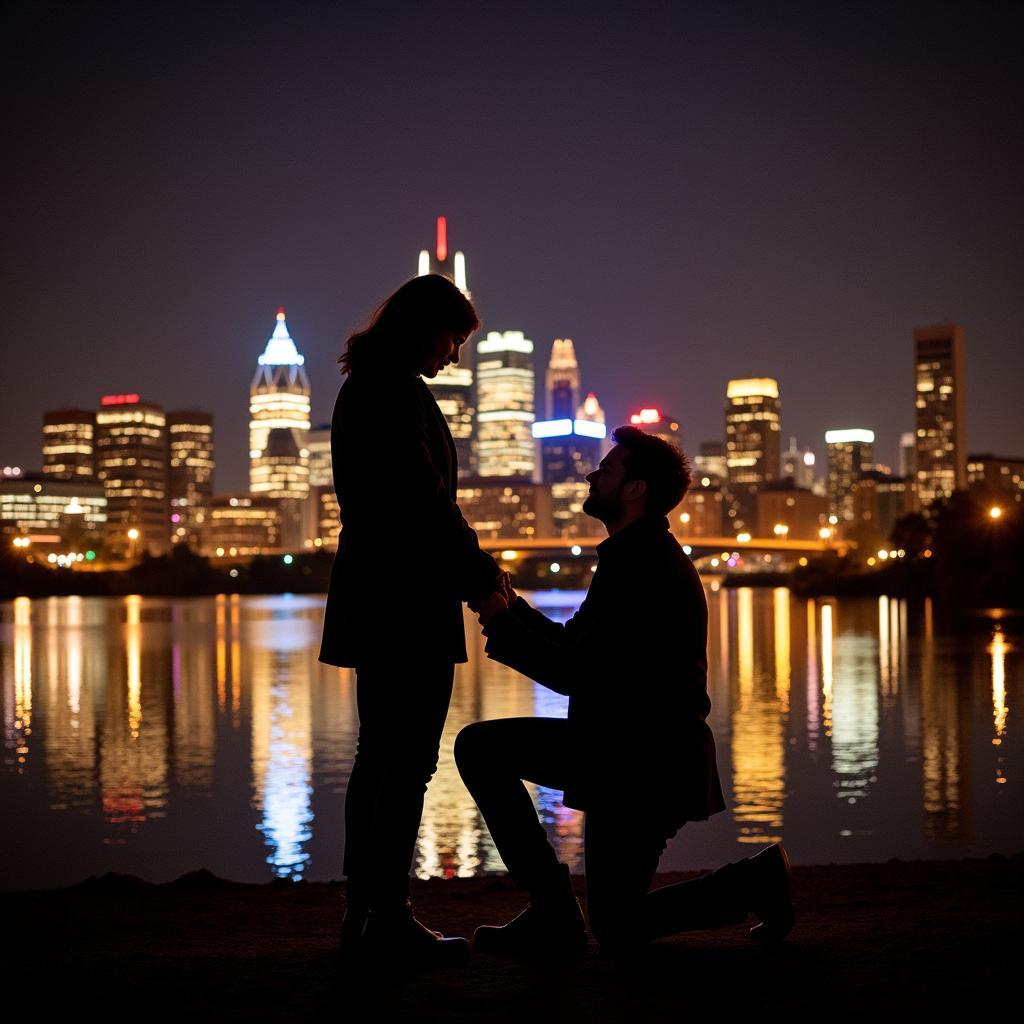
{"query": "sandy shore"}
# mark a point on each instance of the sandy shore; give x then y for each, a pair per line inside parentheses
(880, 939)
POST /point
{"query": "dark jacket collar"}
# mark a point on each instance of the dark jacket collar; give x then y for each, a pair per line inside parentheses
(630, 536)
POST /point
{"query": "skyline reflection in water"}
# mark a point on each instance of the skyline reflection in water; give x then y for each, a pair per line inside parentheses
(155, 737)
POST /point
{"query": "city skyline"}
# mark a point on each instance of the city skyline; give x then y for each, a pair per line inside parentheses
(803, 192)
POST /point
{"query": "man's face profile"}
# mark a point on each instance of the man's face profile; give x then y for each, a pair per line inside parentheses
(606, 482)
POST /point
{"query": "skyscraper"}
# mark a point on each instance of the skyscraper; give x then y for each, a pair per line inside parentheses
(452, 388)
(505, 406)
(850, 453)
(751, 444)
(131, 463)
(658, 423)
(190, 480)
(562, 381)
(570, 449)
(939, 403)
(279, 407)
(323, 516)
(798, 464)
(68, 440)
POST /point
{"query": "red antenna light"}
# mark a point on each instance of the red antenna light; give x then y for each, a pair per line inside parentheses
(442, 240)
(280, 312)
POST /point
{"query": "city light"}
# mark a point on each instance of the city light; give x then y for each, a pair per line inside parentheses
(742, 538)
(780, 529)
(576, 549)
(824, 533)
(995, 512)
(645, 416)
(555, 567)
(509, 555)
(684, 517)
(288, 559)
(855, 436)
(119, 400)
(133, 534)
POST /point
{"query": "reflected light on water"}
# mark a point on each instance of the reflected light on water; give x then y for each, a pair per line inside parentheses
(282, 749)
(780, 605)
(826, 667)
(758, 745)
(813, 692)
(18, 712)
(133, 661)
(997, 649)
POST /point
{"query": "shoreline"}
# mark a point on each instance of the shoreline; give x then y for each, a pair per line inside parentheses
(910, 936)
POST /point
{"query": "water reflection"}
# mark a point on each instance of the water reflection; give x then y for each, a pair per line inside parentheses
(758, 745)
(203, 732)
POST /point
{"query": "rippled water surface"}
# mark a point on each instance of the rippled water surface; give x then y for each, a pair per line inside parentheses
(155, 737)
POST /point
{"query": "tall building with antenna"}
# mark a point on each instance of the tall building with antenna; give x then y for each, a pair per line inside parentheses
(453, 386)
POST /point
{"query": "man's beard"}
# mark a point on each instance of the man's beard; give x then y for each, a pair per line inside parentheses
(606, 509)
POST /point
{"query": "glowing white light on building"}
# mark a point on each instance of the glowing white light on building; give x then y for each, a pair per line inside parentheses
(853, 436)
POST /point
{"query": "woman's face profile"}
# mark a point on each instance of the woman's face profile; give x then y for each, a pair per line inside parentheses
(444, 349)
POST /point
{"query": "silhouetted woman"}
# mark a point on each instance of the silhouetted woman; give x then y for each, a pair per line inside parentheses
(406, 561)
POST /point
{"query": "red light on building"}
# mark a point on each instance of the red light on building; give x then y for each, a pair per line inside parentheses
(442, 240)
(645, 416)
(119, 400)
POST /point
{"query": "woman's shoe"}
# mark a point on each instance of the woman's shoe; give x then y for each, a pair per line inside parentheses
(395, 934)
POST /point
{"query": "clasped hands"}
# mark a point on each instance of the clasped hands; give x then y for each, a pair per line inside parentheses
(501, 598)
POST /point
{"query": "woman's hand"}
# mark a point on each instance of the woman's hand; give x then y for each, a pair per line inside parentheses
(495, 603)
(507, 590)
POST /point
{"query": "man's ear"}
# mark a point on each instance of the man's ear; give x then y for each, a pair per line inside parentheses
(635, 490)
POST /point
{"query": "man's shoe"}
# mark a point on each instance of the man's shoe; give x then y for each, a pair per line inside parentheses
(395, 934)
(770, 898)
(352, 927)
(551, 931)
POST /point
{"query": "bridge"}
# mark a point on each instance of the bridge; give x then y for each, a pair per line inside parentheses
(699, 547)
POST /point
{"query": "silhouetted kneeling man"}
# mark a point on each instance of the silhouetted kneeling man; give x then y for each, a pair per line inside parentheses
(635, 753)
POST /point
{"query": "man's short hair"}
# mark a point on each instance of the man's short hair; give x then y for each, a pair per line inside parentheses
(662, 466)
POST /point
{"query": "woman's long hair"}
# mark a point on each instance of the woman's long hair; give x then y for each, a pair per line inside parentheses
(402, 330)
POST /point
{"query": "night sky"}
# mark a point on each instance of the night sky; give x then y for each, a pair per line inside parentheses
(691, 191)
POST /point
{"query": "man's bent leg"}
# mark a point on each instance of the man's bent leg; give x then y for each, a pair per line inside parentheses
(494, 758)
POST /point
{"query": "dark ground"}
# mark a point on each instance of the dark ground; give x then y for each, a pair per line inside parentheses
(889, 940)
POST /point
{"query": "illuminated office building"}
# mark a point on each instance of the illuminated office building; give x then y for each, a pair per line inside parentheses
(878, 499)
(241, 525)
(131, 463)
(790, 512)
(505, 407)
(850, 453)
(68, 443)
(751, 444)
(318, 444)
(702, 513)
(506, 509)
(798, 465)
(50, 515)
(322, 515)
(190, 479)
(658, 423)
(908, 454)
(939, 404)
(279, 408)
(710, 461)
(996, 478)
(452, 388)
(570, 450)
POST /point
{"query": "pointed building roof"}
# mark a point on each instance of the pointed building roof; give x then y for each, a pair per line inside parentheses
(281, 350)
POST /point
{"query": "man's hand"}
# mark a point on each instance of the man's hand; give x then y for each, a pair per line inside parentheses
(495, 603)
(507, 590)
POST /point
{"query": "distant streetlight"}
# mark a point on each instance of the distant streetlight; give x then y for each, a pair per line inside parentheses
(995, 512)
(780, 529)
